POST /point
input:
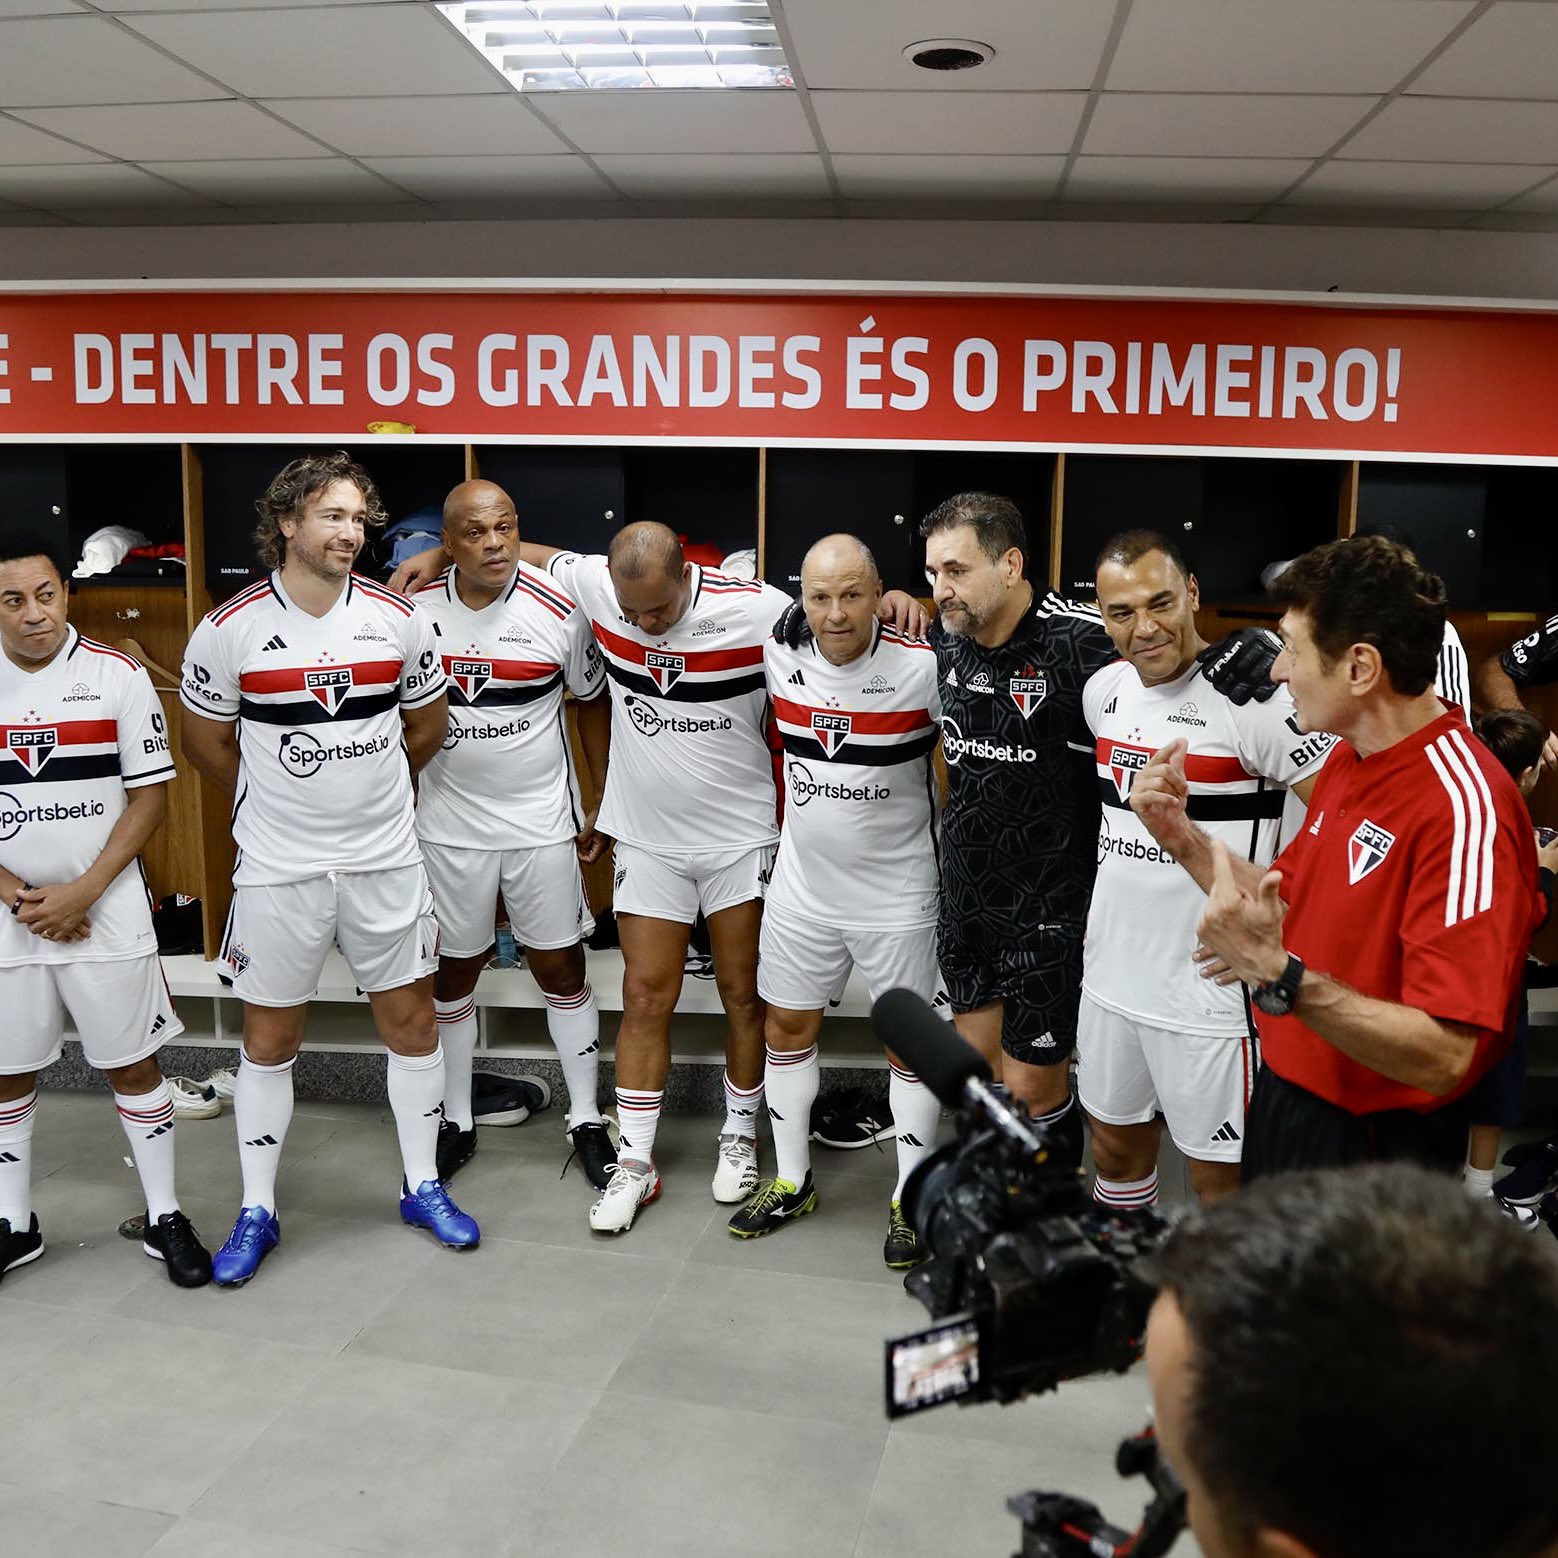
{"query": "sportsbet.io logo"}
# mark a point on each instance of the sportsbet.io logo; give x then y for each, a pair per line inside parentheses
(955, 746)
(303, 755)
(15, 814)
(805, 786)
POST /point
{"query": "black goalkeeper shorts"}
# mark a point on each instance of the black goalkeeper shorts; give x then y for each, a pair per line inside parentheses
(1038, 982)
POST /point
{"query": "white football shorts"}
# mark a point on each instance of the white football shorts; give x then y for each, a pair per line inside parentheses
(543, 891)
(122, 1010)
(802, 964)
(676, 887)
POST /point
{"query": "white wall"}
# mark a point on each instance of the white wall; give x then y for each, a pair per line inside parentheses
(1435, 262)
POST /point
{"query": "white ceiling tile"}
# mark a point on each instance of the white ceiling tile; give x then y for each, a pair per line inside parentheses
(699, 177)
(424, 126)
(96, 184)
(150, 132)
(289, 181)
(1437, 129)
(20, 143)
(1507, 52)
(949, 122)
(1442, 185)
(1040, 45)
(40, 8)
(354, 51)
(1277, 45)
(767, 120)
(474, 179)
(87, 59)
(1228, 179)
(1172, 124)
(1001, 178)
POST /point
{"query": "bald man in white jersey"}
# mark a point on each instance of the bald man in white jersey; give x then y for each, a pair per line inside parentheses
(315, 696)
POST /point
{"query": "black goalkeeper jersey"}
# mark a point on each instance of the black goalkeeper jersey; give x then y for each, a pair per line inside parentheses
(1020, 831)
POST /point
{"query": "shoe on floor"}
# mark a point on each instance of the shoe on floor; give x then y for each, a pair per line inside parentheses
(17, 1249)
(735, 1169)
(902, 1249)
(774, 1203)
(430, 1208)
(223, 1083)
(501, 1100)
(1521, 1216)
(172, 1239)
(1536, 1175)
(193, 1100)
(849, 1119)
(456, 1148)
(592, 1145)
(256, 1233)
(631, 1186)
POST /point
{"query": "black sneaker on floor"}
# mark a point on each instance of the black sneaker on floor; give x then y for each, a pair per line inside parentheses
(774, 1203)
(502, 1100)
(1537, 1174)
(902, 1249)
(456, 1148)
(849, 1119)
(172, 1239)
(17, 1249)
(591, 1143)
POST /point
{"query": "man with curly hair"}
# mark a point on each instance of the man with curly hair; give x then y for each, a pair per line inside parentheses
(315, 695)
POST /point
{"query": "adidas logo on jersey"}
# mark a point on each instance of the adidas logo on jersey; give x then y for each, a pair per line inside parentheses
(1109, 706)
(278, 642)
(1045, 1040)
(795, 679)
(878, 684)
(952, 676)
(707, 628)
(1225, 1132)
(980, 682)
(1314, 827)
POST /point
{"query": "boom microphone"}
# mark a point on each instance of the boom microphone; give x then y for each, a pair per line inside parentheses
(947, 1064)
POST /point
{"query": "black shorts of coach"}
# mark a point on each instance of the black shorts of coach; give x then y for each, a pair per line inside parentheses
(1038, 980)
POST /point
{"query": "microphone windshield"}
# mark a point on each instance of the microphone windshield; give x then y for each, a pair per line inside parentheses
(928, 1046)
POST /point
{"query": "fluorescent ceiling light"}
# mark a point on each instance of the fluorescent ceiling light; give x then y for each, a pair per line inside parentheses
(579, 45)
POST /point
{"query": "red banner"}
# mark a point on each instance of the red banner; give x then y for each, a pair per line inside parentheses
(1017, 371)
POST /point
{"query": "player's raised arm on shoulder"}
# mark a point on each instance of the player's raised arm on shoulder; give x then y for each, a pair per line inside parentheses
(537, 554)
(419, 570)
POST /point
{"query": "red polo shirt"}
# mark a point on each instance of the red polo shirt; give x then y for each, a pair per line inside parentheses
(1413, 881)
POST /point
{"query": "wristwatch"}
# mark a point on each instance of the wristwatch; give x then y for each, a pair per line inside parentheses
(1277, 997)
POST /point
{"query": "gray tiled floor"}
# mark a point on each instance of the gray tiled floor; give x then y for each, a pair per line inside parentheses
(672, 1392)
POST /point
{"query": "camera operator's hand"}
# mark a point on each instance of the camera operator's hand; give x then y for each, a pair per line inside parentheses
(1242, 928)
(1159, 794)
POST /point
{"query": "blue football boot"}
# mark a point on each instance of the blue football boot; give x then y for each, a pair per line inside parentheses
(430, 1208)
(256, 1233)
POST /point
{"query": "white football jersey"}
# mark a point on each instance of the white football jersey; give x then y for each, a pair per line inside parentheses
(73, 738)
(1141, 927)
(859, 842)
(690, 765)
(323, 782)
(505, 777)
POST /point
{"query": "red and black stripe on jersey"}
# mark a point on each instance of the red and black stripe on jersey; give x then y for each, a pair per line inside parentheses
(317, 694)
(681, 675)
(59, 752)
(482, 682)
(1120, 761)
(871, 738)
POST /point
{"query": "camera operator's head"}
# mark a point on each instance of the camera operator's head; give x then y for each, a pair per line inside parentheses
(1360, 1364)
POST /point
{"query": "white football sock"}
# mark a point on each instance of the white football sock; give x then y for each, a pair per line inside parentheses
(1123, 1195)
(147, 1119)
(741, 1106)
(916, 1111)
(638, 1117)
(1478, 1182)
(457, 1029)
(574, 1024)
(262, 1111)
(16, 1120)
(791, 1080)
(416, 1095)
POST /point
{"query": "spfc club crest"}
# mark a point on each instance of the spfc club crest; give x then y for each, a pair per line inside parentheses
(831, 731)
(664, 670)
(1124, 765)
(32, 747)
(470, 676)
(330, 687)
(1028, 691)
(1366, 850)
